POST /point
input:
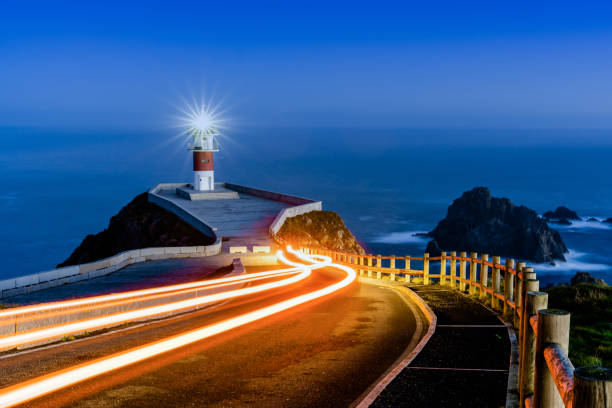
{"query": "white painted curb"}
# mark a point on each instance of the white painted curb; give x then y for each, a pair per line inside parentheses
(370, 395)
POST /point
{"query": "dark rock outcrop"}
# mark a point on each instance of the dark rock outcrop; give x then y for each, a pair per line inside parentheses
(562, 213)
(608, 220)
(140, 224)
(585, 277)
(320, 229)
(433, 249)
(593, 219)
(481, 223)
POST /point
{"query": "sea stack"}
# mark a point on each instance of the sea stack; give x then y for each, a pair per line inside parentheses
(476, 221)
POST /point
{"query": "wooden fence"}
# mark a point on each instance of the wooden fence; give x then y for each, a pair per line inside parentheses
(547, 378)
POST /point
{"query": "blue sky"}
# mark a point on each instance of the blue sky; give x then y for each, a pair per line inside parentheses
(432, 64)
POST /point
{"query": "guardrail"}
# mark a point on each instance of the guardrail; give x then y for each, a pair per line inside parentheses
(546, 378)
(70, 274)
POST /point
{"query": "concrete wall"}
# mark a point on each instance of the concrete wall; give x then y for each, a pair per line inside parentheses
(31, 283)
(292, 212)
(269, 195)
(37, 320)
(186, 216)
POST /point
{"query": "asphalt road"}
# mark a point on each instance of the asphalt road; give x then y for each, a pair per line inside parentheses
(325, 353)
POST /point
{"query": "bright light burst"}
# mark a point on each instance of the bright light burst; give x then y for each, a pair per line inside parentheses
(200, 117)
(203, 122)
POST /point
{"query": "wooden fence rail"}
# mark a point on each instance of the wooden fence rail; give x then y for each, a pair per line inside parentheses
(547, 378)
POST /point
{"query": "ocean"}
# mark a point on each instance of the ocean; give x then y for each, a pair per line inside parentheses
(57, 186)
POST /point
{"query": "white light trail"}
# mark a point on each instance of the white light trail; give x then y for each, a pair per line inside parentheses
(118, 318)
(46, 384)
(44, 307)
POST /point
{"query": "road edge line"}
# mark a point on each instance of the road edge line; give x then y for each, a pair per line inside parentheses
(370, 395)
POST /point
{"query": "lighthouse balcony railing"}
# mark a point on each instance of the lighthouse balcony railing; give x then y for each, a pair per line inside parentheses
(204, 147)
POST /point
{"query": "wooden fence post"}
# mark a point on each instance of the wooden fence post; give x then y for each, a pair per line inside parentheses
(379, 265)
(453, 269)
(392, 266)
(495, 283)
(407, 267)
(535, 301)
(553, 327)
(473, 264)
(463, 255)
(518, 300)
(528, 274)
(484, 277)
(508, 286)
(593, 387)
(426, 269)
(370, 265)
(442, 268)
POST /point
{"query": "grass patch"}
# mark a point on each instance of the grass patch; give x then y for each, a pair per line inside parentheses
(591, 321)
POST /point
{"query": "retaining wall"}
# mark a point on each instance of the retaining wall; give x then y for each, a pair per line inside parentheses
(292, 212)
(269, 195)
(69, 274)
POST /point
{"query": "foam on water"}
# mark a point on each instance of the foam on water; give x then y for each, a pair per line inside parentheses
(575, 261)
(583, 224)
(402, 237)
(366, 218)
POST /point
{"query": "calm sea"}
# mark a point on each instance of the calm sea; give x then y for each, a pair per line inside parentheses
(59, 186)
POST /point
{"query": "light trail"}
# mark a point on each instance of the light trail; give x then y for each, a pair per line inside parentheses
(123, 317)
(49, 383)
(125, 295)
(86, 307)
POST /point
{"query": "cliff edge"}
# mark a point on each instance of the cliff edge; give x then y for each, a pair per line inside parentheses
(320, 229)
(140, 224)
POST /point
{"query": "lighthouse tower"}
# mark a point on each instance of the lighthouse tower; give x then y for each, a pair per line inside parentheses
(203, 144)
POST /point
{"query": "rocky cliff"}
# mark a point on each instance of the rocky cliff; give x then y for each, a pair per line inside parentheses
(478, 222)
(320, 229)
(140, 224)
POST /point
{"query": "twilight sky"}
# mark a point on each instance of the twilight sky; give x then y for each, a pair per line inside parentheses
(478, 64)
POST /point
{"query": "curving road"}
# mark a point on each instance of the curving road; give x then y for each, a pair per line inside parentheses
(326, 352)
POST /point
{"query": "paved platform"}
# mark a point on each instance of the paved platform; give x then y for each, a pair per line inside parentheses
(242, 221)
(464, 364)
(219, 193)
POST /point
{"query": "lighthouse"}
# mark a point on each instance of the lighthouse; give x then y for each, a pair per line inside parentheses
(203, 145)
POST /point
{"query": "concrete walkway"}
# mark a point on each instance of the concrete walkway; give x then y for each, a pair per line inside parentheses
(244, 221)
(465, 363)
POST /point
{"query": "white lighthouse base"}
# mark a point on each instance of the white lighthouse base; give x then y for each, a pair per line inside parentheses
(204, 180)
(219, 193)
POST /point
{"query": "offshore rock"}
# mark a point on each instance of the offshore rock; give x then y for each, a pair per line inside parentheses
(140, 224)
(585, 277)
(320, 229)
(433, 249)
(561, 213)
(484, 224)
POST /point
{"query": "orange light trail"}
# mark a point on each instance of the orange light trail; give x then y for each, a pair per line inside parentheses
(46, 384)
(98, 306)
(123, 295)
(123, 317)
